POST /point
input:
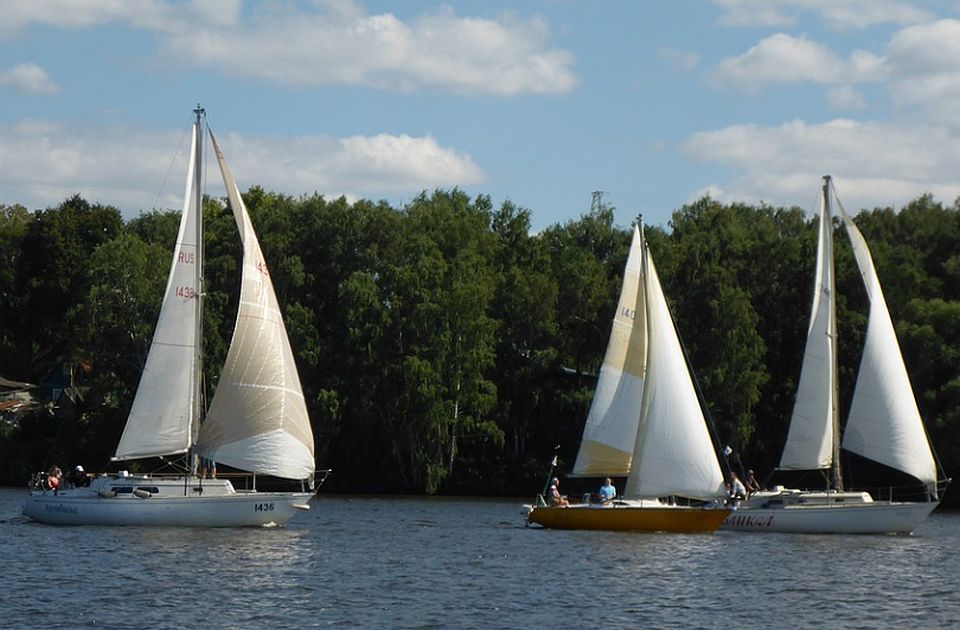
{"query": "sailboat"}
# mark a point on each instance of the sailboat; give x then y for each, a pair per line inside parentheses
(883, 424)
(257, 420)
(645, 423)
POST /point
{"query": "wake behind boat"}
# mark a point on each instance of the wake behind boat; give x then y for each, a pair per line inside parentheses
(256, 422)
(645, 423)
(883, 425)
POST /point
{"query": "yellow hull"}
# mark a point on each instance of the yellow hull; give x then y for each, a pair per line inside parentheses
(679, 519)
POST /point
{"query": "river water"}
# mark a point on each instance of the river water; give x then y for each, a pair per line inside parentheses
(467, 563)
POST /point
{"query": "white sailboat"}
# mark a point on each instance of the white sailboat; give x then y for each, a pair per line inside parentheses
(883, 425)
(645, 423)
(257, 420)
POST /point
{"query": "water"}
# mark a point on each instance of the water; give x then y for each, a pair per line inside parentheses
(467, 563)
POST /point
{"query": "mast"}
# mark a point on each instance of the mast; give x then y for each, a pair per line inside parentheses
(198, 284)
(834, 363)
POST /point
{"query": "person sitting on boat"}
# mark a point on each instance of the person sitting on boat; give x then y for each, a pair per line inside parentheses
(737, 489)
(53, 478)
(556, 499)
(77, 477)
(607, 491)
(752, 484)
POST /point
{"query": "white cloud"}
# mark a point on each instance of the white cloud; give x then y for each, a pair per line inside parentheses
(875, 164)
(159, 15)
(335, 42)
(782, 58)
(919, 67)
(29, 78)
(923, 66)
(926, 49)
(846, 97)
(838, 14)
(44, 162)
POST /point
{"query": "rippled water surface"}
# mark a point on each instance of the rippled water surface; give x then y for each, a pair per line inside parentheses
(467, 563)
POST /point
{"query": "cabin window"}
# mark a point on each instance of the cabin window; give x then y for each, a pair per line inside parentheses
(151, 490)
(122, 489)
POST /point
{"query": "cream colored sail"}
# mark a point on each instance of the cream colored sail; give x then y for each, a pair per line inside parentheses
(884, 423)
(258, 419)
(161, 418)
(673, 454)
(611, 428)
(809, 444)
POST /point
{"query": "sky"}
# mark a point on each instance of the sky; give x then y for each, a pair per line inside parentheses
(539, 103)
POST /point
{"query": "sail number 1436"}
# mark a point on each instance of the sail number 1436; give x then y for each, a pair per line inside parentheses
(263, 507)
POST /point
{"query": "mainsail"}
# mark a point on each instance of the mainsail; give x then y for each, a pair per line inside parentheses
(258, 418)
(810, 439)
(611, 427)
(673, 453)
(162, 416)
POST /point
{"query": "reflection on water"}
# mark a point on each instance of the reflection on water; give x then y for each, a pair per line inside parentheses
(412, 562)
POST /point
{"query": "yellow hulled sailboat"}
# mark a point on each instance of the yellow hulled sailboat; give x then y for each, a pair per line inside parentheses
(645, 423)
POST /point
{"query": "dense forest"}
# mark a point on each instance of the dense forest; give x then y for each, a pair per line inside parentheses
(443, 346)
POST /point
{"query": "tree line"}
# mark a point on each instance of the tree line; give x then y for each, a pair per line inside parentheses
(446, 347)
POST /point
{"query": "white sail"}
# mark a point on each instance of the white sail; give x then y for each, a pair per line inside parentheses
(673, 454)
(606, 448)
(258, 419)
(884, 423)
(161, 418)
(809, 444)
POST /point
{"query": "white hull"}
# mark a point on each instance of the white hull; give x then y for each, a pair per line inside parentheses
(858, 513)
(219, 505)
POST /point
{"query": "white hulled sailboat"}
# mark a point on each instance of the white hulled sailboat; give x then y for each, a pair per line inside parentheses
(645, 423)
(257, 420)
(883, 425)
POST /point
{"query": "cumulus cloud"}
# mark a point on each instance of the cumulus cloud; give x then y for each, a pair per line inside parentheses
(336, 42)
(837, 14)
(782, 58)
(875, 164)
(29, 78)
(918, 67)
(44, 162)
(846, 97)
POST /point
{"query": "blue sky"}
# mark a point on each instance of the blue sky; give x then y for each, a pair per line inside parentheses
(539, 102)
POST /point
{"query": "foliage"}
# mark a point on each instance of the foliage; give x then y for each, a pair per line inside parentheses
(443, 347)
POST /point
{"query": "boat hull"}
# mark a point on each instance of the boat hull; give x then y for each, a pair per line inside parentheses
(168, 505)
(868, 518)
(656, 518)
